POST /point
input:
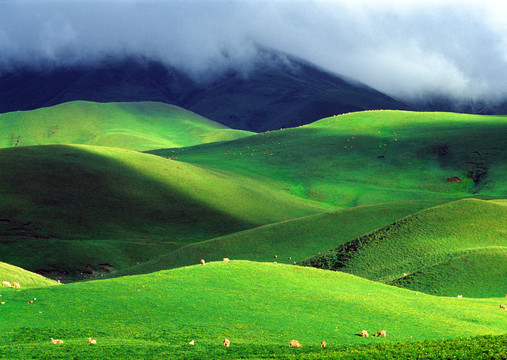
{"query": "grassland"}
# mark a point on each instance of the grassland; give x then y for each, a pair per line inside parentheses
(372, 157)
(25, 278)
(134, 126)
(457, 248)
(389, 192)
(159, 313)
(51, 195)
(287, 241)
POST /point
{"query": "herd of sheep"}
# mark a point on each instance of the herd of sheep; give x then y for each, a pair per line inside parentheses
(226, 342)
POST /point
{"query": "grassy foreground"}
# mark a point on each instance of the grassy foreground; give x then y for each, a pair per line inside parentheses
(156, 315)
(134, 126)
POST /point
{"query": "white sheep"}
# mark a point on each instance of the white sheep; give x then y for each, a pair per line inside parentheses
(56, 341)
(203, 262)
(6, 284)
(294, 343)
(16, 285)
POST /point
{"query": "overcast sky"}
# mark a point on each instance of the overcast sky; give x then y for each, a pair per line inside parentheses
(404, 48)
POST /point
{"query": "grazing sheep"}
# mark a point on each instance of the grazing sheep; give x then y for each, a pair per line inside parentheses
(227, 342)
(203, 262)
(381, 333)
(16, 285)
(364, 333)
(191, 342)
(56, 341)
(460, 296)
(2, 303)
(294, 343)
(502, 306)
(323, 344)
(227, 259)
(6, 284)
(405, 274)
(92, 341)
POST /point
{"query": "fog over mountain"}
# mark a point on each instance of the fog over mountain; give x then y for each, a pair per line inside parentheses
(407, 49)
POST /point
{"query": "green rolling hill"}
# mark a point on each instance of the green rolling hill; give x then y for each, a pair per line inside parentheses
(290, 240)
(452, 249)
(135, 126)
(24, 278)
(371, 157)
(156, 315)
(144, 204)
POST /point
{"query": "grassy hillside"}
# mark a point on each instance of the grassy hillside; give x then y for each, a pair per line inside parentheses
(152, 205)
(290, 240)
(134, 126)
(453, 249)
(371, 157)
(156, 315)
(25, 279)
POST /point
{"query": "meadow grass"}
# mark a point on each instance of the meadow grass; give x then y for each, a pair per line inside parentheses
(287, 241)
(371, 157)
(458, 246)
(24, 278)
(135, 126)
(260, 307)
(54, 194)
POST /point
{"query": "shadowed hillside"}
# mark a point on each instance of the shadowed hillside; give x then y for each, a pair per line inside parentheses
(51, 194)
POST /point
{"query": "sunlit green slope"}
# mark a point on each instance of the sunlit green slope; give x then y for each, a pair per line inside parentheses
(25, 279)
(458, 248)
(371, 157)
(134, 126)
(59, 192)
(257, 306)
(288, 241)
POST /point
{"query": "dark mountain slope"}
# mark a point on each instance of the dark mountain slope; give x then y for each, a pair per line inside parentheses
(279, 91)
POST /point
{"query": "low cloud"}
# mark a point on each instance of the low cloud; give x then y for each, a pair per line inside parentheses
(404, 48)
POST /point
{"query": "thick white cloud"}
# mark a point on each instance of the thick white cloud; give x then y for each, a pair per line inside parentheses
(405, 48)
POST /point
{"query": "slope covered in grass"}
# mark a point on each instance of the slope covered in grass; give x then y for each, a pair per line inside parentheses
(134, 126)
(163, 311)
(24, 278)
(455, 246)
(53, 193)
(290, 240)
(371, 157)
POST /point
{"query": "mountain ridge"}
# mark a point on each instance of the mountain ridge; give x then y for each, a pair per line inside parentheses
(278, 91)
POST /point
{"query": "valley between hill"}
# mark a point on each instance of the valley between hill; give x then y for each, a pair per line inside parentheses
(401, 211)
